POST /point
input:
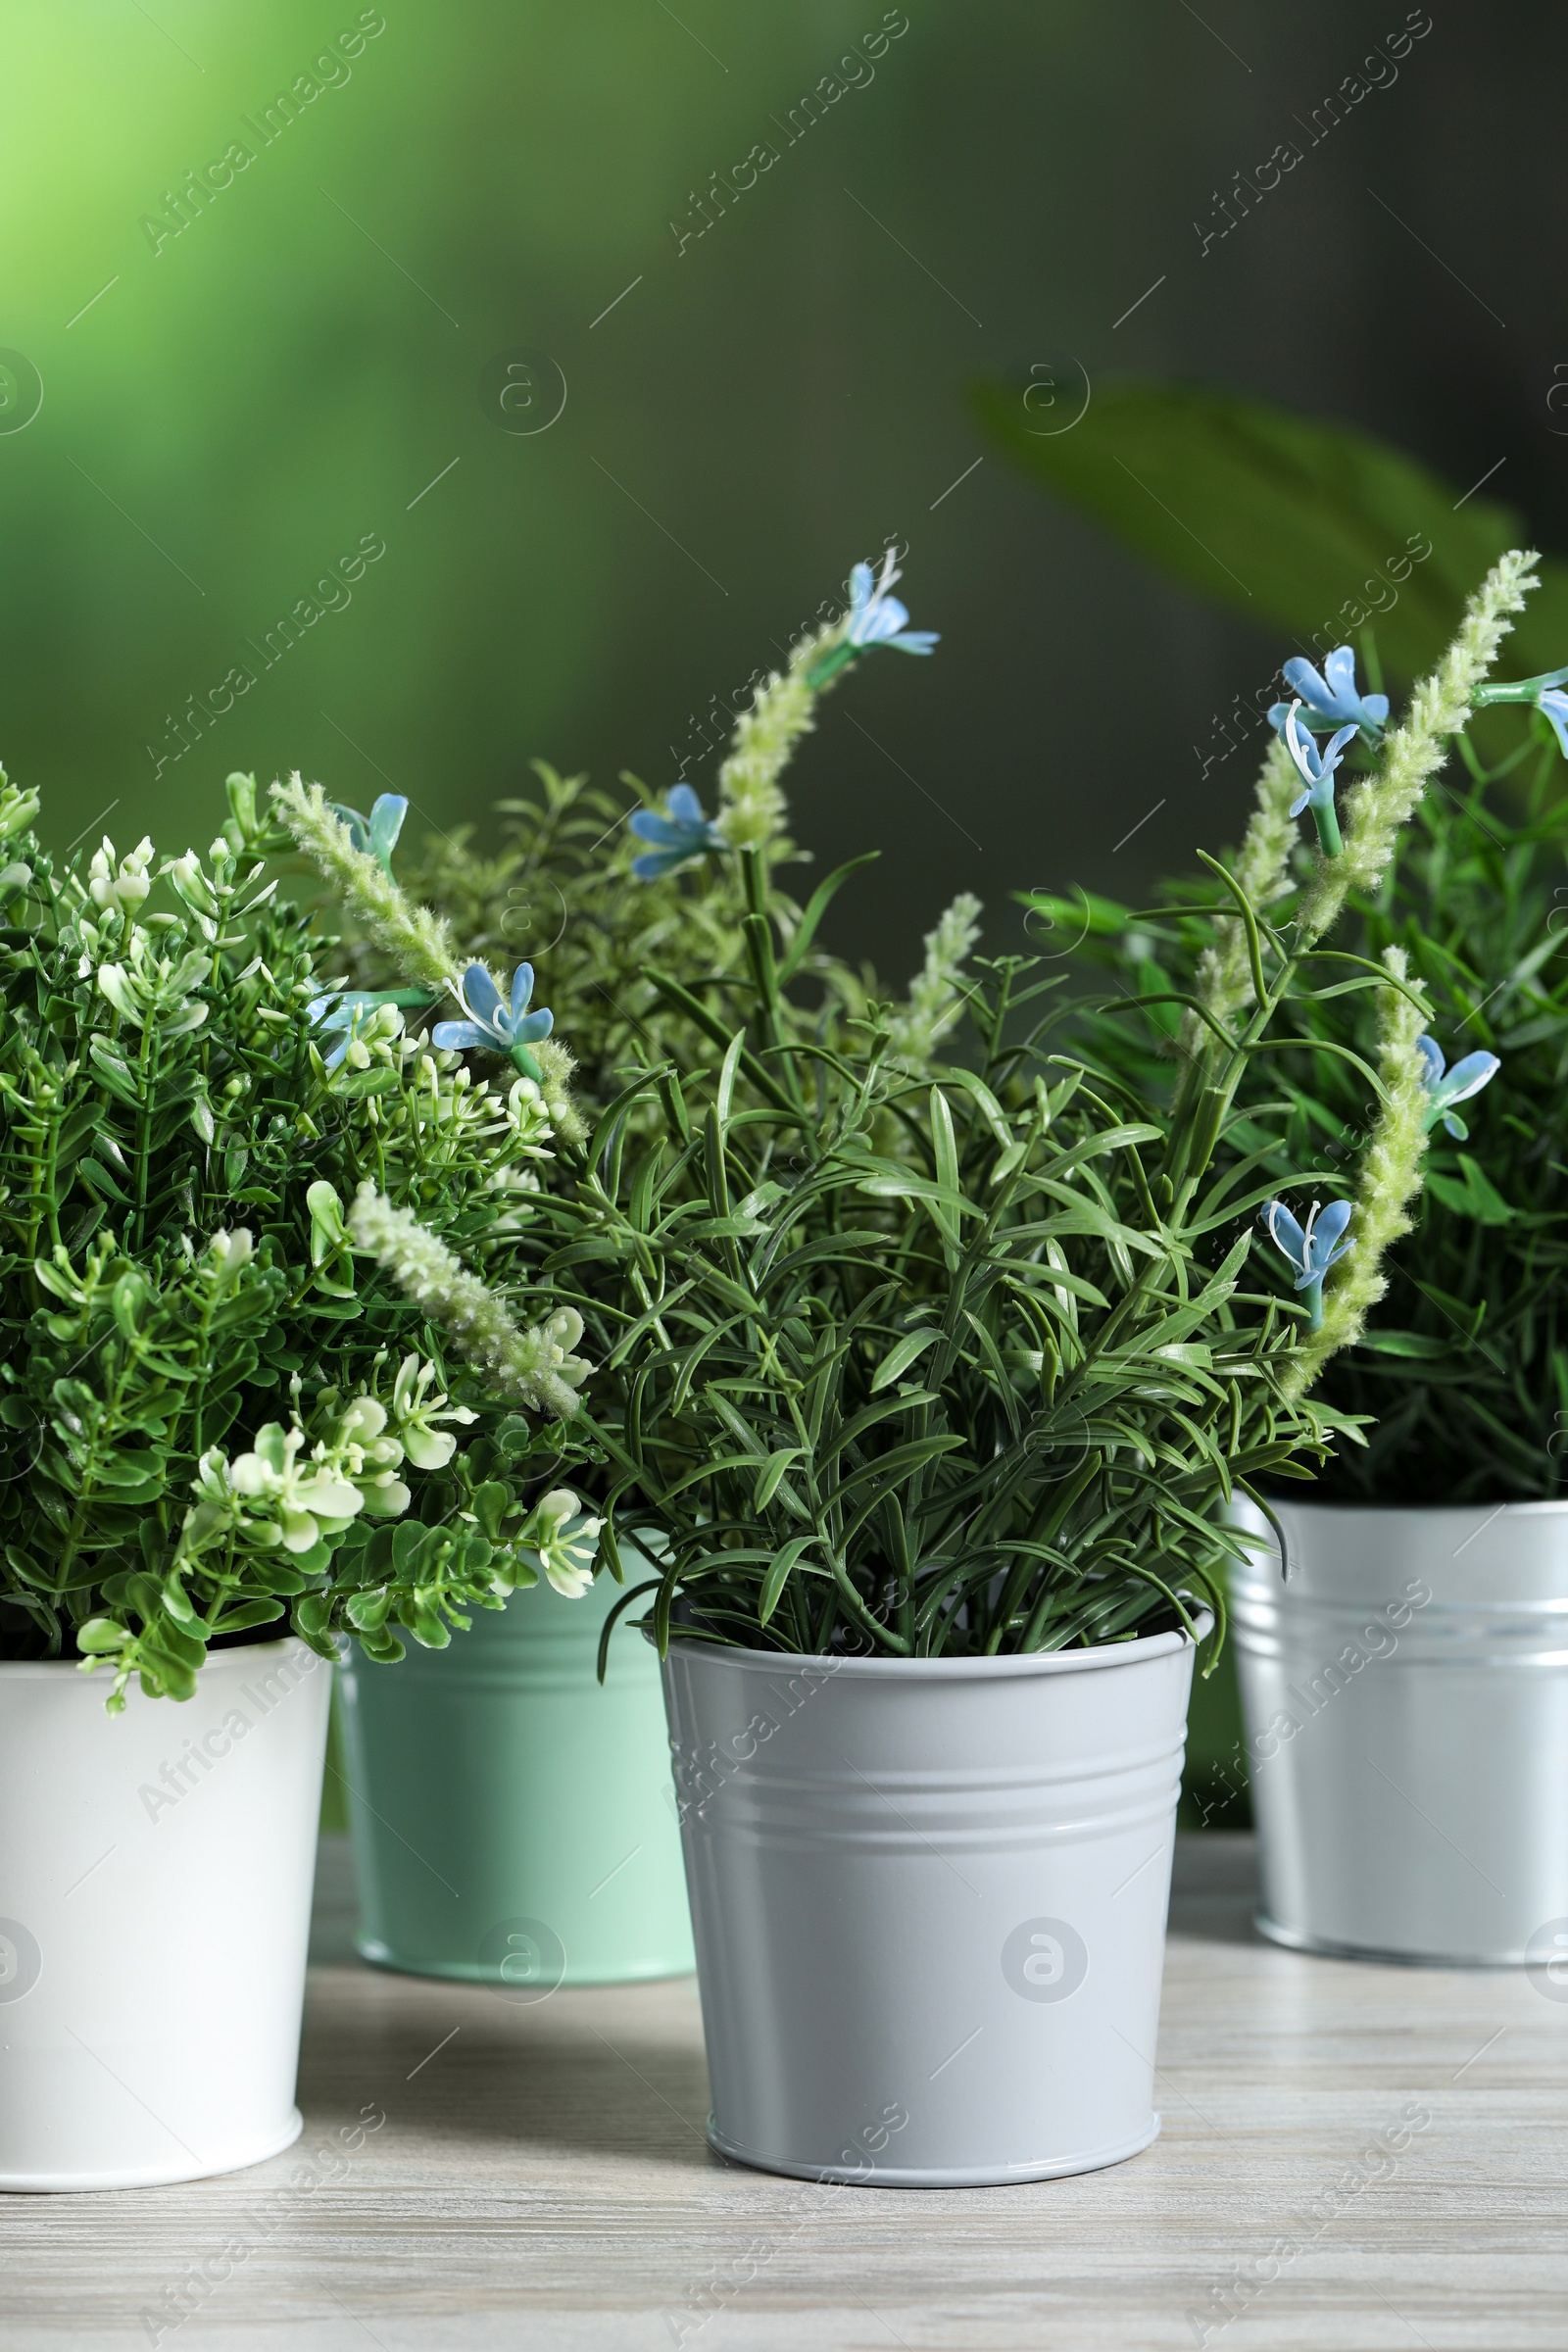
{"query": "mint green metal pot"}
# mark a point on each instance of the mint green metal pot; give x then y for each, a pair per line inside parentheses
(514, 1822)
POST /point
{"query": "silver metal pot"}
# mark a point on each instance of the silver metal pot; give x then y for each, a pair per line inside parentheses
(1406, 1704)
(929, 1899)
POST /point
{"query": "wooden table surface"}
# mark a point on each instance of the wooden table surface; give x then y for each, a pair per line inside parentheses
(540, 2178)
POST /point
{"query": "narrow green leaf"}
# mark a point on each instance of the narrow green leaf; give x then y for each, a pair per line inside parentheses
(899, 1358)
(778, 1576)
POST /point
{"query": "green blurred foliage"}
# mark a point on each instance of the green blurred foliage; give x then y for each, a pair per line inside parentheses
(235, 410)
(1283, 517)
(274, 381)
(246, 400)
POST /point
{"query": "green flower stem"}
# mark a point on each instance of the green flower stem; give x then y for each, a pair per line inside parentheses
(829, 665)
(1263, 877)
(524, 1061)
(147, 1073)
(1328, 829)
(770, 1021)
(1518, 690)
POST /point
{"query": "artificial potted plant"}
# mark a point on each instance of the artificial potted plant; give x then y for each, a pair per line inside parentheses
(1405, 1811)
(929, 1386)
(226, 1444)
(603, 891)
(1403, 1687)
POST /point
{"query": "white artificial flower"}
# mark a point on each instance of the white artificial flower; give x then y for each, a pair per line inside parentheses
(123, 889)
(303, 1502)
(416, 1413)
(565, 1541)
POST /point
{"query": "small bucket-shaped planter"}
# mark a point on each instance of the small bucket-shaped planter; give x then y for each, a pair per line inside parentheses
(1406, 1704)
(156, 1871)
(930, 1898)
(514, 1821)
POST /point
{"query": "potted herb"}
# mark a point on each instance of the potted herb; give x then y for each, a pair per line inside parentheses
(603, 891)
(1401, 1689)
(930, 1387)
(226, 1444)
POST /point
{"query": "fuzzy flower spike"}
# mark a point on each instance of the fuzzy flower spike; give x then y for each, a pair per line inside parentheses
(684, 832)
(419, 943)
(875, 617)
(1444, 1088)
(1309, 1253)
(495, 1026)
(534, 1365)
(1330, 695)
(1316, 771)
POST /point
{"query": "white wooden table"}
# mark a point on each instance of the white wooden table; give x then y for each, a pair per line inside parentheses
(540, 2178)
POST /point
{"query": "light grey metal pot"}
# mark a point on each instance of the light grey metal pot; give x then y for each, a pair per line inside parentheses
(1406, 1704)
(929, 1900)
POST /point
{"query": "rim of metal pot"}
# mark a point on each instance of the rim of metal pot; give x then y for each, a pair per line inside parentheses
(947, 1670)
(213, 1657)
(1418, 1510)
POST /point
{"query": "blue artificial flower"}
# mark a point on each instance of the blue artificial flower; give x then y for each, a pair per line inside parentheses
(1330, 696)
(1316, 771)
(494, 1025)
(1444, 1088)
(681, 834)
(877, 617)
(1553, 705)
(376, 835)
(341, 1010)
(1309, 1253)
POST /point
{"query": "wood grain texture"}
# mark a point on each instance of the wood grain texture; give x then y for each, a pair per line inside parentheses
(541, 2179)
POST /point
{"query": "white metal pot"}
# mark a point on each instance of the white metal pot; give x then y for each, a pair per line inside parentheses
(155, 1900)
(1406, 1704)
(929, 1899)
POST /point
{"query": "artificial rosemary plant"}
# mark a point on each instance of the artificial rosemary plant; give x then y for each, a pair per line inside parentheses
(1464, 1369)
(983, 1391)
(966, 1362)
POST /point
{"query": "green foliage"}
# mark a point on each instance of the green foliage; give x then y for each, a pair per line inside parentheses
(561, 891)
(210, 1412)
(1465, 1367)
(1279, 517)
(963, 1361)
(946, 1367)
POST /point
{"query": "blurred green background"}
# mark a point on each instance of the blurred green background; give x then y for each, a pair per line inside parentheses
(314, 357)
(762, 382)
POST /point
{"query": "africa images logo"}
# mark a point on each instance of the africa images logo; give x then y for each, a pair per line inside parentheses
(1045, 1960)
(19, 1960)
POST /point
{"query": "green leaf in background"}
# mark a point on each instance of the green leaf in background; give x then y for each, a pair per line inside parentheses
(1295, 522)
(1478, 1197)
